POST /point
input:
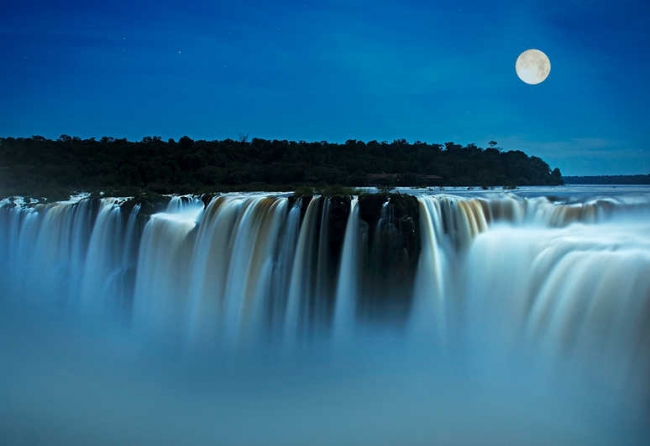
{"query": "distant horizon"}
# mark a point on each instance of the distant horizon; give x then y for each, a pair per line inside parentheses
(610, 175)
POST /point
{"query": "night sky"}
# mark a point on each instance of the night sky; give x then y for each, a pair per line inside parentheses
(335, 70)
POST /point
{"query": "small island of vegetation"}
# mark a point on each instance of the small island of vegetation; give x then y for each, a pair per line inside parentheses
(38, 166)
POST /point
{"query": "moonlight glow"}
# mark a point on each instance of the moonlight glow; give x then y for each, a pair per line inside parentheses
(533, 67)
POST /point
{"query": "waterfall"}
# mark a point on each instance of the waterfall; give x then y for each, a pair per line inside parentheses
(105, 257)
(321, 300)
(347, 288)
(248, 281)
(210, 266)
(302, 274)
(282, 268)
(561, 275)
(430, 290)
(160, 296)
(513, 310)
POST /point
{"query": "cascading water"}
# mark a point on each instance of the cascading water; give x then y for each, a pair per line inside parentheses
(346, 292)
(429, 306)
(515, 290)
(302, 275)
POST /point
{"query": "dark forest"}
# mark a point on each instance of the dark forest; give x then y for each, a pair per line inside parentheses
(42, 167)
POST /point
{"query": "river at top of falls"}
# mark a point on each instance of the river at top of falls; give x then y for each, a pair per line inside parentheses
(523, 317)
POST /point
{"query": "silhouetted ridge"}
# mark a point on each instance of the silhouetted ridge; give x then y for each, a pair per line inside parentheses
(119, 167)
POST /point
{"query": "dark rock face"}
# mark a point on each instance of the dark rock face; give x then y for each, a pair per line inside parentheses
(339, 212)
(207, 198)
(149, 204)
(397, 217)
(391, 250)
(370, 207)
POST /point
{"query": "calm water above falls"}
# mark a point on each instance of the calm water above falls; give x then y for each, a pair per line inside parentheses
(456, 317)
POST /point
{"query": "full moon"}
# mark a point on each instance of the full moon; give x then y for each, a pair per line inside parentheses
(533, 67)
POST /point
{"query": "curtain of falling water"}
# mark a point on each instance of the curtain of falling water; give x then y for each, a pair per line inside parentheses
(430, 292)
(560, 277)
(302, 274)
(320, 305)
(282, 267)
(248, 282)
(209, 266)
(346, 291)
(61, 251)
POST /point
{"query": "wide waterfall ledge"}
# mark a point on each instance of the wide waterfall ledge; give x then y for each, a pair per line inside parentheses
(450, 316)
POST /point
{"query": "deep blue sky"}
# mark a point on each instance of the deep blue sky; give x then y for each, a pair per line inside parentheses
(334, 70)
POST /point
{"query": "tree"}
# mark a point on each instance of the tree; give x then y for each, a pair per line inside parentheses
(185, 143)
(557, 176)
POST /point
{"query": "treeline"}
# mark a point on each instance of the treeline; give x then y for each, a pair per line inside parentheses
(608, 179)
(36, 164)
